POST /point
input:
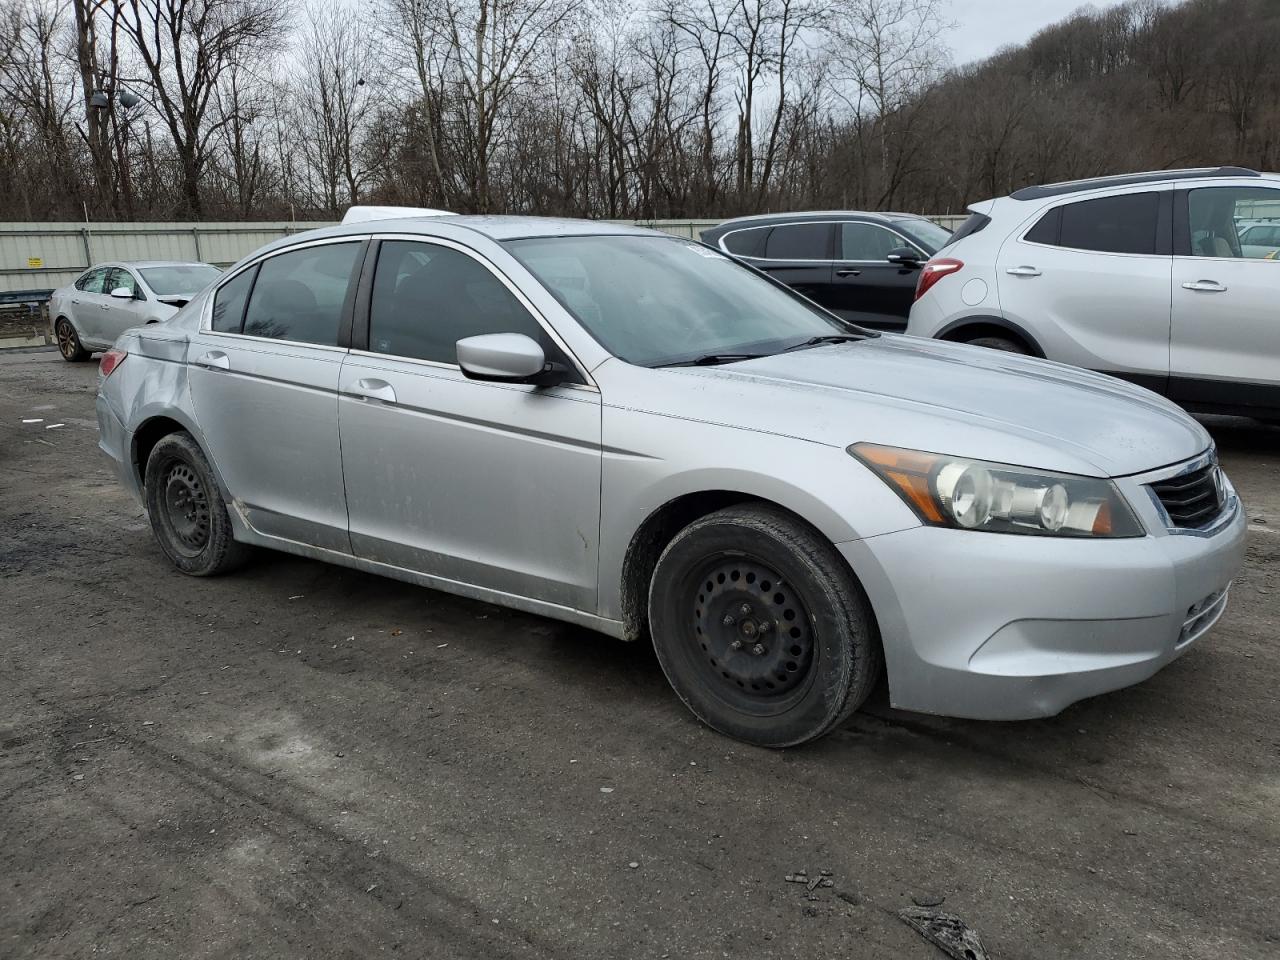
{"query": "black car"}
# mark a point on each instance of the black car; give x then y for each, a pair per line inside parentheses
(862, 266)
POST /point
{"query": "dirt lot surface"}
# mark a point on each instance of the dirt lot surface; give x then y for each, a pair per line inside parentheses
(300, 760)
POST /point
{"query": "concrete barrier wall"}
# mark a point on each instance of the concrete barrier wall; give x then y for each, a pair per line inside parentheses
(45, 256)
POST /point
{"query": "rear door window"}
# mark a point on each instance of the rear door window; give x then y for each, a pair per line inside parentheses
(800, 241)
(300, 295)
(427, 297)
(91, 282)
(1123, 224)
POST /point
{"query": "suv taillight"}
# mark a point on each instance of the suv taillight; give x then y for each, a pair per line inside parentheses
(935, 270)
(110, 360)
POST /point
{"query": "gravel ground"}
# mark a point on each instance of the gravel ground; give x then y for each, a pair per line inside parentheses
(301, 760)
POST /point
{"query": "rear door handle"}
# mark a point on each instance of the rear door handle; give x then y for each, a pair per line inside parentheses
(215, 360)
(374, 389)
(848, 273)
(1023, 272)
(1205, 286)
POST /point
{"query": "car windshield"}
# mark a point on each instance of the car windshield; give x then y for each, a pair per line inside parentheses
(927, 232)
(180, 278)
(654, 301)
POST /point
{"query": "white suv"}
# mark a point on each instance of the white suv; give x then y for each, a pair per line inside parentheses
(1142, 276)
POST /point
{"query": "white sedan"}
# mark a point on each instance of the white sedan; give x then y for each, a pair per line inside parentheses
(109, 298)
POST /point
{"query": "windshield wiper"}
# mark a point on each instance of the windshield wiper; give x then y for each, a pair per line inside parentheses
(713, 359)
(825, 338)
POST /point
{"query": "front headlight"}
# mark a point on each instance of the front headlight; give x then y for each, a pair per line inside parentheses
(994, 497)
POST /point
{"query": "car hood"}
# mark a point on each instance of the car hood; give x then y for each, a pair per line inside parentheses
(944, 398)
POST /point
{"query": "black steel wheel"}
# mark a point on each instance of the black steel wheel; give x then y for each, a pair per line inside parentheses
(69, 344)
(754, 630)
(187, 512)
(760, 627)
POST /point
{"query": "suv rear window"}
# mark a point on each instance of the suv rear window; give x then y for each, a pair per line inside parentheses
(1123, 224)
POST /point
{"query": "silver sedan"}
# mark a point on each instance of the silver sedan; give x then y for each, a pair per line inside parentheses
(106, 300)
(636, 433)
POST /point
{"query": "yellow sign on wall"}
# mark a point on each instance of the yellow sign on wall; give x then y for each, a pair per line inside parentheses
(35, 263)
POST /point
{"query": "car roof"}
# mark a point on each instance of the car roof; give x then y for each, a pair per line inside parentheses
(815, 216)
(494, 227)
(150, 263)
(1127, 179)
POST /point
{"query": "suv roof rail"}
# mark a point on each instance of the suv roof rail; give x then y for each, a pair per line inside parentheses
(1125, 179)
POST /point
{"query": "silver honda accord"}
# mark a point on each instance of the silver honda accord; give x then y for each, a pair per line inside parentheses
(636, 433)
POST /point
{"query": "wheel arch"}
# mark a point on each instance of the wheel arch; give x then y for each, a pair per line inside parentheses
(657, 531)
(969, 328)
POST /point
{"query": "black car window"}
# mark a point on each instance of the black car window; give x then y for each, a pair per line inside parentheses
(1123, 224)
(229, 300)
(426, 298)
(799, 241)
(91, 282)
(299, 295)
(1046, 229)
(746, 243)
(867, 241)
(1213, 213)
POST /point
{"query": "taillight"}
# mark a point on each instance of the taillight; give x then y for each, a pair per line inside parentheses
(935, 270)
(110, 360)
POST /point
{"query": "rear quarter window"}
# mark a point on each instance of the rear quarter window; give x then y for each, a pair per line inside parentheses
(1122, 224)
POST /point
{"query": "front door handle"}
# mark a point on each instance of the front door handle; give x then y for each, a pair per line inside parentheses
(847, 272)
(1205, 286)
(1023, 271)
(374, 389)
(215, 360)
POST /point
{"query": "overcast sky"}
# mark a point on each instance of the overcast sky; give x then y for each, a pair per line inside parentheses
(984, 26)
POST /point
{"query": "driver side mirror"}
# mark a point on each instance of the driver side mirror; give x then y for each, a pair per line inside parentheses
(904, 257)
(122, 293)
(507, 358)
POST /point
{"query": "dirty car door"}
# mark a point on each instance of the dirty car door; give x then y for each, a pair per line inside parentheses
(496, 485)
(264, 381)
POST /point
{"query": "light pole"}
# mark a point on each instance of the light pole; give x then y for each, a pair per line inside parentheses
(127, 99)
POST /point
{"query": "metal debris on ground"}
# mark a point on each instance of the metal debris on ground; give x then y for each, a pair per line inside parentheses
(946, 931)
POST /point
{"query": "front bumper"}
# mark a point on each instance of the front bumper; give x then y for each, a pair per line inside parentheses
(1000, 627)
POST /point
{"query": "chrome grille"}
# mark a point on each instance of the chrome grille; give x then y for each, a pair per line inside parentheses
(1192, 499)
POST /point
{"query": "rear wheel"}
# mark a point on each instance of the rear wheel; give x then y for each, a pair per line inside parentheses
(760, 628)
(998, 343)
(69, 344)
(188, 515)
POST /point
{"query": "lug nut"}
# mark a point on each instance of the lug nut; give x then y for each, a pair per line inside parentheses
(728, 620)
(764, 626)
(736, 645)
(758, 649)
(745, 610)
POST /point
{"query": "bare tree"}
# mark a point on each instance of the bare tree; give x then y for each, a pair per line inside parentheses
(185, 49)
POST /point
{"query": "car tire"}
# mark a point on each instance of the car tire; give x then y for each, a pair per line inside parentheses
(69, 344)
(760, 627)
(187, 512)
(998, 343)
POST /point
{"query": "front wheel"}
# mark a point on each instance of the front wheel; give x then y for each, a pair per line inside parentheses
(188, 515)
(69, 344)
(760, 628)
